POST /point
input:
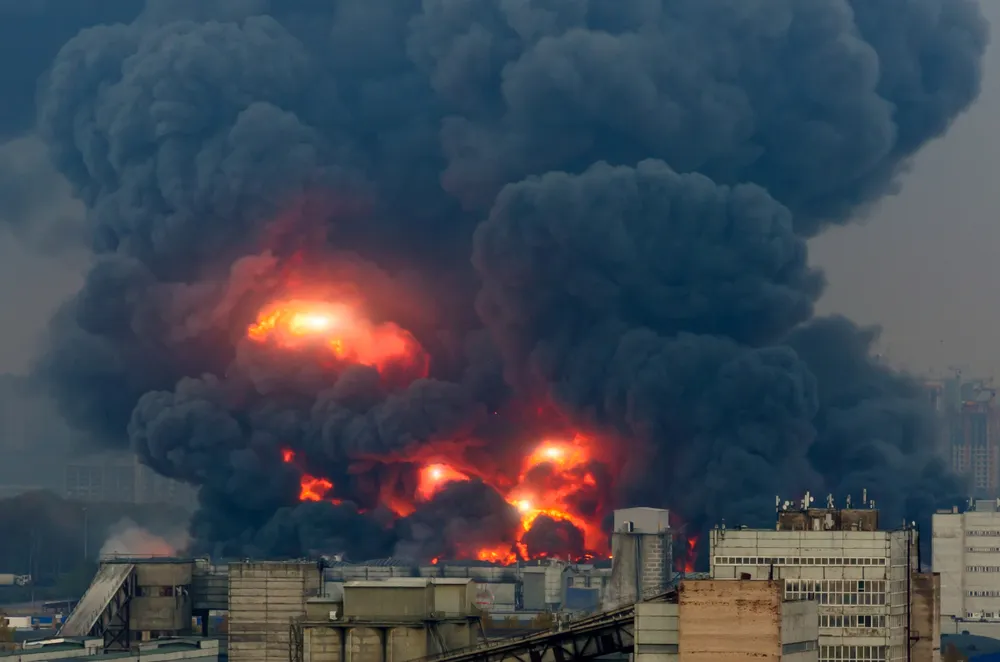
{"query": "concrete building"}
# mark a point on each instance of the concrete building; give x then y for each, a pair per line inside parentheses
(389, 620)
(860, 575)
(725, 621)
(265, 599)
(134, 600)
(975, 439)
(121, 478)
(965, 552)
(642, 553)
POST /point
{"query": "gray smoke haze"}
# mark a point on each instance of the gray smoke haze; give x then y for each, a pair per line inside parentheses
(634, 181)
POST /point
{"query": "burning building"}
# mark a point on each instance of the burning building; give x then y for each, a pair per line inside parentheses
(458, 279)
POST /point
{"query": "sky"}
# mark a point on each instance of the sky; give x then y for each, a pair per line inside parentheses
(924, 265)
(921, 266)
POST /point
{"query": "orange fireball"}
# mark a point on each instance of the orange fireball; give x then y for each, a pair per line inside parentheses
(337, 327)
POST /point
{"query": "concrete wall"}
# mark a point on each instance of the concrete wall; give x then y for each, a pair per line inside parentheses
(730, 621)
(454, 596)
(264, 600)
(458, 635)
(640, 566)
(322, 644)
(164, 573)
(799, 631)
(644, 520)
(170, 613)
(407, 644)
(163, 598)
(656, 632)
(365, 645)
(925, 621)
(390, 599)
(318, 609)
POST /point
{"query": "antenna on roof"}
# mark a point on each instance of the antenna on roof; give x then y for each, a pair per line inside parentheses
(864, 497)
(806, 500)
(871, 504)
(777, 504)
(829, 502)
(848, 501)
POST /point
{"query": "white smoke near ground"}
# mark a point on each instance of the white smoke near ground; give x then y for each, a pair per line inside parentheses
(126, 538)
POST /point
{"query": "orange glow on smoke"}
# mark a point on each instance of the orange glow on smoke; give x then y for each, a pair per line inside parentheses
(434, 477)
(552, 490)
(347, 335)
(554, 478)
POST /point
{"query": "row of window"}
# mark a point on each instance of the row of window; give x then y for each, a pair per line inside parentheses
(837, 591)
(852, 620)
(983, 594)
(984, 532)
(983, 550)
(982, 568)
(797, 560)
(853, 653)
(798, 647)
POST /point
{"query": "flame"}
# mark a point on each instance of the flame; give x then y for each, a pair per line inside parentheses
(554, 479)
(310, 487)
(314, 489)
(339, 329)
(434, 477)
(690, 554)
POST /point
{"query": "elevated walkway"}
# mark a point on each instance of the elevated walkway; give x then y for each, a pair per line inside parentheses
(602, 634)
(103, 611)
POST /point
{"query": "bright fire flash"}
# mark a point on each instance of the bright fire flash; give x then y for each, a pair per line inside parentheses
(299, 324)
(552, 479)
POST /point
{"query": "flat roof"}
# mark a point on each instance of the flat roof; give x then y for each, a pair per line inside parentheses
(390, 582)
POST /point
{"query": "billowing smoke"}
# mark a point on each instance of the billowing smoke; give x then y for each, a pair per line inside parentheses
(284, 198)
(126, 538)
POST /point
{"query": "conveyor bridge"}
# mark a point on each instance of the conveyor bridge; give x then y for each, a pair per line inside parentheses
(588, 638)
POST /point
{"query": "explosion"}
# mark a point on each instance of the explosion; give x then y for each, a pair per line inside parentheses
(555, 481)
(332, 274)
(337, 329)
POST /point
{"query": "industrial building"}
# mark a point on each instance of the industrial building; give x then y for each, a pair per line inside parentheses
(965, 552)
(522, 590)
(122, 478)
(864, 578)
(330, 611)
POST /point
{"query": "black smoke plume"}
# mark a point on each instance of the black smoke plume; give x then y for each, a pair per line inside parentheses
(634, 180)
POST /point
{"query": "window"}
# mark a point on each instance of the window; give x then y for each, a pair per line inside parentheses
(852, 653)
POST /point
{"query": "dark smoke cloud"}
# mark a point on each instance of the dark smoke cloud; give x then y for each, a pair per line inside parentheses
(645, 172)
